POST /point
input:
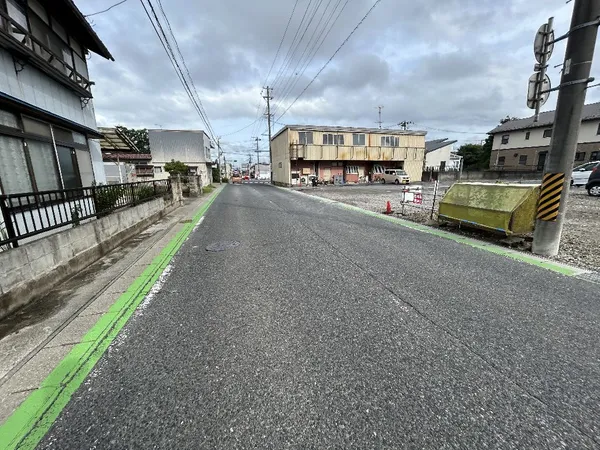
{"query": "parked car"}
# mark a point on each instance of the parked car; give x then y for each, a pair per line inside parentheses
(593, 183)
(582, 173)
(396, 176)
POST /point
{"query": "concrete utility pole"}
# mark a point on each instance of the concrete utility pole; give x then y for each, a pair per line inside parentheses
(571, 98)
(269, 98)
(257, 139)
(219, 153)
(379, 121)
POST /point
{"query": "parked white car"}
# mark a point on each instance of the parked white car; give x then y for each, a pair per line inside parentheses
(396, 176)
(581, 174)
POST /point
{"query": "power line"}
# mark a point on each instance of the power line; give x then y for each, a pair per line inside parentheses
(281, 42)
(330, 59)
(241, 129)
(105, 10)
(186, 68)
(170, 54)
(289, 52)
(313, 52)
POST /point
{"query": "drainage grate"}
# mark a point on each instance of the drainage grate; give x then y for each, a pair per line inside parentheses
(594, 277)
(186, 221)
(222, 246)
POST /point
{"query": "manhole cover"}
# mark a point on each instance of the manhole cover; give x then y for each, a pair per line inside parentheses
(222, 246)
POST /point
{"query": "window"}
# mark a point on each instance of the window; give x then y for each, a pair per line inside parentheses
(17, 13)
(358, 139)
(158, 170)
(67, 167)
(505, 139)
(594, 156)
(333, 139)
(305, 137)
(43, 163)
(39, 10)
(527, 135)
(378, 169)
(548, 133)
(352, 169)
(84, 165)
(522, 160)
(598, 130)
(501, 160)
(8, 119)
(390, 141)
(580, 156)
(36, 127)
(14, 174)
(29, 160)
(60, 134)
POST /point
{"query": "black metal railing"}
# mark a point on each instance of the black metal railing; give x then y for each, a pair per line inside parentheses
(32, 213)
(517, 167)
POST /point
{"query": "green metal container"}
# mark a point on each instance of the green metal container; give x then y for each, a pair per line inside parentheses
(504, 208)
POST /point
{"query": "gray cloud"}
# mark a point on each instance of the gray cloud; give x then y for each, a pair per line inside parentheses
(454, 65)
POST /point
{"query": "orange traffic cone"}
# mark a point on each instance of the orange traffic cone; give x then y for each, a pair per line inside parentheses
(388, 208)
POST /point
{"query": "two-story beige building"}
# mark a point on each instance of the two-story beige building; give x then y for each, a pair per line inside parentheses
(523, 144)
(344, 154)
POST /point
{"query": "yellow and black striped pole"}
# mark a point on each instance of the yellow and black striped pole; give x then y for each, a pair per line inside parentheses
(549, 202)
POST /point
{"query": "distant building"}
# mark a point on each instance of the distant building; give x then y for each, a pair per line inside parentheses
(47, 120)
(440, 155)
(123, 162)
(344, 154)
(191, 147)
(260, 171)
(523, 144)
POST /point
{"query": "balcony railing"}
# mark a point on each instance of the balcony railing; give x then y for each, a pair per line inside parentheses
(32, 213)
(39, 54)
(353, 152)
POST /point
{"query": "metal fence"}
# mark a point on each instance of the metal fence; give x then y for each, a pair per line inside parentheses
(32, 213)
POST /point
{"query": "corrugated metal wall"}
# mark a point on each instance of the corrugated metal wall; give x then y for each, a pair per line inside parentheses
(185, 146)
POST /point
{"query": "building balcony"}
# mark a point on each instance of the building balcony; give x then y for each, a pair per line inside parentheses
(315, 152)
(28, 50)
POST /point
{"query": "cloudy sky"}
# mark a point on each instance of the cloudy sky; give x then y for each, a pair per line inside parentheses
(453, 67)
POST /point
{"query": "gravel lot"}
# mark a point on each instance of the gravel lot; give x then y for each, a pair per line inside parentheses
(581, 236)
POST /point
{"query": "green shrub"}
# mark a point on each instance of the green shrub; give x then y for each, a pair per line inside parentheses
(225, 180)
(143, 192)
(106, 198)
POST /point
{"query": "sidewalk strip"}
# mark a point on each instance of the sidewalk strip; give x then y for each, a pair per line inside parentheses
(30, 422)
(482, 245)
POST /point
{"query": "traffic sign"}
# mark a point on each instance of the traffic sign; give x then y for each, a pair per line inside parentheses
(534, 88)
(539, 49)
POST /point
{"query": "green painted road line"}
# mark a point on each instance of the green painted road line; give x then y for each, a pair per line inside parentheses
(30, 422)
(492, 248)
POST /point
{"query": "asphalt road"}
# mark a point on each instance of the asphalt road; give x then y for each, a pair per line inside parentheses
(326, 328)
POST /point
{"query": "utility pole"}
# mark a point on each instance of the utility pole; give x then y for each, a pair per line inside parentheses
(379, 121)
(269, 98)
(219, 153)
(552, 204)
(404, 125)
(257, 139)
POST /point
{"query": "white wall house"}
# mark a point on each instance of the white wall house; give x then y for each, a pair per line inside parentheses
(440, 155)
(47, 119)
(523, 144)
(191, 147)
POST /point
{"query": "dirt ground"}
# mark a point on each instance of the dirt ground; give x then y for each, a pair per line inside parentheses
(580, 244)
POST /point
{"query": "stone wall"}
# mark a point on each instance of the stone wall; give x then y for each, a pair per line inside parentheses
(32, 269)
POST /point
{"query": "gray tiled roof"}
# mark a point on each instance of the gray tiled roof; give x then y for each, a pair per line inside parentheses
(436, 144)
(590, 112)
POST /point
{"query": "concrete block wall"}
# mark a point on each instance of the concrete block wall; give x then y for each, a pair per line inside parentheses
(29, 271)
